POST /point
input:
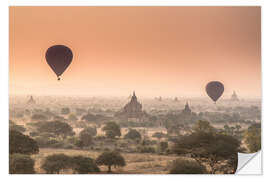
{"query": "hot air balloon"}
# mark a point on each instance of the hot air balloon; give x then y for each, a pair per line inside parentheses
(214, 90)
(59, 58)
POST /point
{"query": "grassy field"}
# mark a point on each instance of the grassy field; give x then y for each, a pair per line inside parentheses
(136, 163)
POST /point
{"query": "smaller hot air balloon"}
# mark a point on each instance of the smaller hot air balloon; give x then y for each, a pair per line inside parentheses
(214, 90)
(59, 58)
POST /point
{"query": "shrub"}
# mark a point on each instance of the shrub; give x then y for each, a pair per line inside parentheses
(146, 149)
(159, 135)
(147, 142)
(39, 117)
(21, 164)
(182, 166)
(133, 134)
(49, 143)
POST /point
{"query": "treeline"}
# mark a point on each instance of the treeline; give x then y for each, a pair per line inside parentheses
(206, 145)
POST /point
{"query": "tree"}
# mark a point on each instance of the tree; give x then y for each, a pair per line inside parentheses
(56, 127)
(210, 146)
(112, 130)
(85, 136)
(238, 127)
(111, 158)
(65, 111)
(184, 166)
(21, 164)
(84, 165)
(253, 137)
(203, 126)
(53, 164)
(133, 134)
(20, 143)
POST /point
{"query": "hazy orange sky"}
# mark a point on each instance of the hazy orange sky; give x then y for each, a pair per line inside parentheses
(167, 51)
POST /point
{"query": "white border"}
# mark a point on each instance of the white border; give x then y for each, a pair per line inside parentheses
(4, 75)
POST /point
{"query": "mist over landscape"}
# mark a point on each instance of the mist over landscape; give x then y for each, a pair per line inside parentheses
(133, 90)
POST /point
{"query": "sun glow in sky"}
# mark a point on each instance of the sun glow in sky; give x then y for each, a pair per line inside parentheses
(157, 51)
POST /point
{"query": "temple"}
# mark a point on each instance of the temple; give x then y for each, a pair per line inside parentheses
(132, 110)
(187, 110)
(31, 100)
(234, 97)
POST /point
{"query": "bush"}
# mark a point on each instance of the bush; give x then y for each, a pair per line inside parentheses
(49, 143)
(89, 117)
(159, 135)
(20, 143)
(146, 149)
(133, 134)
(39, 117)
(21, 164)
(182, 166)
(147, 142)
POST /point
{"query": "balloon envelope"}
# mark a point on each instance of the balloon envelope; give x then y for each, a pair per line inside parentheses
(59, 58)
(214, 90)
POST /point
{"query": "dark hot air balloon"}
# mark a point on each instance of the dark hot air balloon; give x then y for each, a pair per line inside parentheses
(214, 90)
(59, 58)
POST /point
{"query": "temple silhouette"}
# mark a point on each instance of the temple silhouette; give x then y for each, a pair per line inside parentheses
(234, 97)
(187, 109)
(132, 110)
(31, 101)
